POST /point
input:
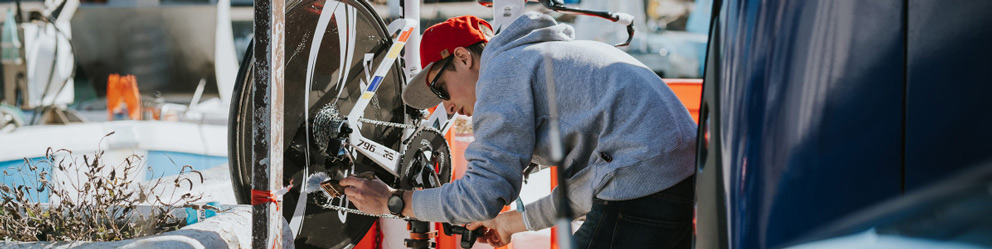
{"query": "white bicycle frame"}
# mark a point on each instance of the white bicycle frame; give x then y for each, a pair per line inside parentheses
(389, 159)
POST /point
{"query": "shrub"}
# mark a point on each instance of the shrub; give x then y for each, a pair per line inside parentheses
(89, 200)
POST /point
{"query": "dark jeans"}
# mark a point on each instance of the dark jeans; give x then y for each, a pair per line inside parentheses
(660, 220)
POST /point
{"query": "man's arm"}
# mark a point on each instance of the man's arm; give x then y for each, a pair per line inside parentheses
(542, 213)
(501, 228)
(408, 204)
(504, 130)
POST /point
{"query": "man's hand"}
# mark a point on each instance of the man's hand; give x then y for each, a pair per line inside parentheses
(369, 196)
(500, 229)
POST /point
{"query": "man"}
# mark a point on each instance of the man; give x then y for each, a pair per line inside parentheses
(629, 143)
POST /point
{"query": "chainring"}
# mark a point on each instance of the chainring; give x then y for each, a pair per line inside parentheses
(426, 162)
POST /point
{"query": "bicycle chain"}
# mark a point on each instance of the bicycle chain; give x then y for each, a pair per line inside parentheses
(328, 205)
(359, 212)
(391, 124)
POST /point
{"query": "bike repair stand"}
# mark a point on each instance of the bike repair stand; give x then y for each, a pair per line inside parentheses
(420, 235)
(420, 231)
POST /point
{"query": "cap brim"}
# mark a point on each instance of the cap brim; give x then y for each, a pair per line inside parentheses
(417, 94)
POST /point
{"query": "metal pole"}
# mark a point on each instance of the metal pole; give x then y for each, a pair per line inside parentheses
(411, 54)
(267, 104)
(564, 221)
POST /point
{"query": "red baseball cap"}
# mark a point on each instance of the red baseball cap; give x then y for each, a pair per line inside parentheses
(438, 42)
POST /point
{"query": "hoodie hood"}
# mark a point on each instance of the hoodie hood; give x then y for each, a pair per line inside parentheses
(531, 27)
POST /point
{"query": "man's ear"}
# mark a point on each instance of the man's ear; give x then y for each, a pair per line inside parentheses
(462, 55)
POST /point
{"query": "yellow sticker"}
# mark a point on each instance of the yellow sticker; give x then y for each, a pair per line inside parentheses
(395, 50)
(367, 95)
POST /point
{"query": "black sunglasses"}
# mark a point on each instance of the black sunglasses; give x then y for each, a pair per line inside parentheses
(441, 93)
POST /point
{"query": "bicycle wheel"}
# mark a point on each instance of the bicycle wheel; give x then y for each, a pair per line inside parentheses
(332, 48)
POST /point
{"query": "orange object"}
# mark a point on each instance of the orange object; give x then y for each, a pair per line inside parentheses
(554, 183)
(123, 89)
(372, 239)
(263, 197)
(444, 241)
(508, 245)
(690, 92)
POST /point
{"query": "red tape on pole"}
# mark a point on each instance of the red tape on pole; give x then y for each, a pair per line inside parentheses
(265, 196)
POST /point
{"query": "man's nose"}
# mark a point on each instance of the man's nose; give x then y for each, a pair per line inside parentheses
(448, 107)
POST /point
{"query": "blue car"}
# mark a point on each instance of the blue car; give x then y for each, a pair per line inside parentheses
(815, 110)
(954, 213)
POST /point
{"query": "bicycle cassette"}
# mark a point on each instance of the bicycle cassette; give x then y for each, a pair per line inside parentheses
(329, 130)
(427, 161)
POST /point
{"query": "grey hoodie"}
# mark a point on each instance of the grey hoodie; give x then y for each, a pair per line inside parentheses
(625, 133)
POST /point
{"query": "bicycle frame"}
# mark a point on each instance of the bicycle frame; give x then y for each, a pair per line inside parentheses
(382, 155)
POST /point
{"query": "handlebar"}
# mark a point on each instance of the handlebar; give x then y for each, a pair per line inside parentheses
(617, 17)
(558, 6)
